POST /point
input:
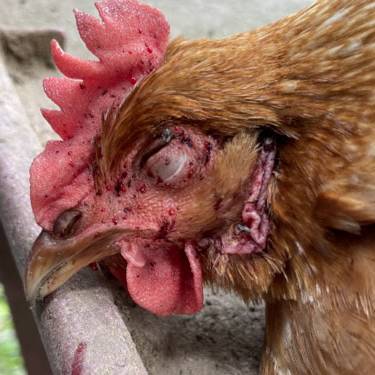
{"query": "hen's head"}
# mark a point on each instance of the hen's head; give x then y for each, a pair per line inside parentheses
(164, 172)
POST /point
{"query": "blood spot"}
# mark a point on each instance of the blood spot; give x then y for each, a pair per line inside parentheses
(94, 266)
(142, 189)
(208, 147)
(118, 187)
(77, 364)
(187, 141)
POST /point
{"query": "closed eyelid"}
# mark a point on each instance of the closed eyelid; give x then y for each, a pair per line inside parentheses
(173, 169)
(156, 145)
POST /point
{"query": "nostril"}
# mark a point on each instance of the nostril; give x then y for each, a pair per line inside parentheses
(66, 223)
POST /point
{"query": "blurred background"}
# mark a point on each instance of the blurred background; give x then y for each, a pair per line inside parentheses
(10, 357)
(27, 66)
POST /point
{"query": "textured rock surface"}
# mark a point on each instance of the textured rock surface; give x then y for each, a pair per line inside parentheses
(89, 319)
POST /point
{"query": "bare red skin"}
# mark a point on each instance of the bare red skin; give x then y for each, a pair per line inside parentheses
(165, 278)
(254, 215)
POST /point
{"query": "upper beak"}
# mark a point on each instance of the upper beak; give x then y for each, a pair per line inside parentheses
(53, 261)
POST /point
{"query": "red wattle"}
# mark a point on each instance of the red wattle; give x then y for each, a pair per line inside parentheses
(169, 283)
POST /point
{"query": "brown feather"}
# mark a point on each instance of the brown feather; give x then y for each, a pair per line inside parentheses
(311, 78)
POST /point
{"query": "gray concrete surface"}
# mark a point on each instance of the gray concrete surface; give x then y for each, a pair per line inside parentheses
(226, 337)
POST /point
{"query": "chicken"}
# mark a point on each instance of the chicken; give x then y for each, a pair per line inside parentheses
(246, 163)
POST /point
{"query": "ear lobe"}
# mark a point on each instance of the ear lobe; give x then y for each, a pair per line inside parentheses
(347, 207)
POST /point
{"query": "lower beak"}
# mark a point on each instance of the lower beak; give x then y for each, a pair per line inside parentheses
(54, 261)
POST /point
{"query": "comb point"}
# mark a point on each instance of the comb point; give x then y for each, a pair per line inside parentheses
(58, 122)
(91, 30)
(74, 67)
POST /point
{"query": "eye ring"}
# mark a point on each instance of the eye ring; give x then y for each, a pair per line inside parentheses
(178, 164)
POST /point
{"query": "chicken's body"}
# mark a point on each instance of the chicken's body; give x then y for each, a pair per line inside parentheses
(307, 82)
(329, 328)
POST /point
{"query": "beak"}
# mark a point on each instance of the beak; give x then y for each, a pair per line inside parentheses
(54, 261)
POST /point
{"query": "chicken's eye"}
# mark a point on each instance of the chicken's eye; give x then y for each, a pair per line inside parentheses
(167, 165)
(172, 160)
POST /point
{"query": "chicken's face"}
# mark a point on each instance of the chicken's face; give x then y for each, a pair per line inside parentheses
(182, 205)
(181, 199)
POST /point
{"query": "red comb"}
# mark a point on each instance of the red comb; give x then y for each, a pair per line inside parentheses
(130, 41)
